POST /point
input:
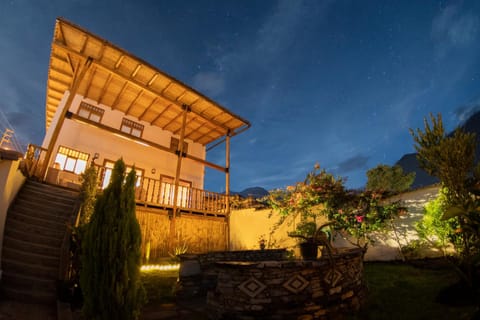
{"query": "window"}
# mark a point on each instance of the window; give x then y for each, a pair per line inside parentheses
(174, 145)
(167, 191)
(108, 173)
(132, 128)
(71, 160)
(90, 112)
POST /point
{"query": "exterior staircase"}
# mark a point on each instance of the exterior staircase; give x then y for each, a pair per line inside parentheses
(34, 233)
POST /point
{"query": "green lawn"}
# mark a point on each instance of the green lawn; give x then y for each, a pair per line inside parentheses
(402, 291)
(395, 291)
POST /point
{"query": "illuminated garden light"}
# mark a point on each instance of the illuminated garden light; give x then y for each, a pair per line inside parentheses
(160, 267)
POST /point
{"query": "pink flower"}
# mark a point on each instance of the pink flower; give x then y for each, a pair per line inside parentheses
(359, 219)
(340, 211)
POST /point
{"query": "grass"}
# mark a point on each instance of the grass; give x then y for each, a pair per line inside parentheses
(403, 291)
(159, 286)
(395, 291)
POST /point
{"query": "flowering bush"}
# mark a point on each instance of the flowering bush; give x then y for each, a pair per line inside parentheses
(358, 214)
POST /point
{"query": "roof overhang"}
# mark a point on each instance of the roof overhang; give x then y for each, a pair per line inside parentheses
(128, 84)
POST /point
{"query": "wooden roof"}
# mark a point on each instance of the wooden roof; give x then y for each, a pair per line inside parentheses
(128, 84)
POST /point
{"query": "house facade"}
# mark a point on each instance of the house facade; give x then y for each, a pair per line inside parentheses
(104, 103)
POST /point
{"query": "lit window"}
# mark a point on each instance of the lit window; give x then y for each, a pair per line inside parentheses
(108, 174)
(71, 160)
(174, 145)
(90, 112)
(132, 128)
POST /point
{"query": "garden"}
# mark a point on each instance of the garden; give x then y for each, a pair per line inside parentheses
(446, 287)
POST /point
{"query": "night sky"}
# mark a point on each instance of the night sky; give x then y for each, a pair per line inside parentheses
(334, 82)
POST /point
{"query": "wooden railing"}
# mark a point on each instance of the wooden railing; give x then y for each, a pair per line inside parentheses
(155, 192)
(34, 159)
(149, 191)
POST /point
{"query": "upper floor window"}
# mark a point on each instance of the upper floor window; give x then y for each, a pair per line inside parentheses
(90, 112)
(132, 128)
(174, 145)
(71, 160)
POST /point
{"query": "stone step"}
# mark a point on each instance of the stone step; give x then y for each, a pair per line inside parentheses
(54, 222)
(31, 270)
(50, 260)
(41, 214)
(35, 230)
(30, 296)
(33, 238)
(42, 204)
(27, 246)
(53, 195)
(50, 188)
(28, 283)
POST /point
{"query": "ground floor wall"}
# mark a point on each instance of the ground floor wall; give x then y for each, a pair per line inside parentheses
(193, 233)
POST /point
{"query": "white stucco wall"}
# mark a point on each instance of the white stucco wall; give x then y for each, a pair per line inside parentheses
(11, 180)
(90, 139)
(248, 225)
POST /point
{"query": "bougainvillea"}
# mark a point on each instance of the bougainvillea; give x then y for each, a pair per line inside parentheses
(356, 214)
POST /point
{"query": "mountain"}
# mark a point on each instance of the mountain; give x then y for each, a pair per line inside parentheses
(255, 192)
(409, 162)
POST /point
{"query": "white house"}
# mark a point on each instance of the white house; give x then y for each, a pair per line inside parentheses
(103, 103)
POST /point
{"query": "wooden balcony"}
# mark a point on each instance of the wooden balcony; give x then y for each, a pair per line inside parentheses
(149, 192)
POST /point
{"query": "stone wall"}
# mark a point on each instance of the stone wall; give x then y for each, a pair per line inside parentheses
(197, 273)
(264, 285)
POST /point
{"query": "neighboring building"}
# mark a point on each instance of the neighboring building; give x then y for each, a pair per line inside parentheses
(104, 103)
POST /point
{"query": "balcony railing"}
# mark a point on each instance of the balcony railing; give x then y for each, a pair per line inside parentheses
(150, 192)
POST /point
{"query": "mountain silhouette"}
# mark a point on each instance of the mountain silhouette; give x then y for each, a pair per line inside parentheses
(255, 192)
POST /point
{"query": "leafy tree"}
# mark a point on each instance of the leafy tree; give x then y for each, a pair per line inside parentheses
(451, 159)
(434, 230)
(389, 179)
(110, 275)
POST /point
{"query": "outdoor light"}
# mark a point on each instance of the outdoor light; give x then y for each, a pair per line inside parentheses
(160, 267)
(96, 156)
(153, 171)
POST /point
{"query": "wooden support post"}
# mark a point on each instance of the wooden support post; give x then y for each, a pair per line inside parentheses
(180, 154)
(80, 72)
(227, 186)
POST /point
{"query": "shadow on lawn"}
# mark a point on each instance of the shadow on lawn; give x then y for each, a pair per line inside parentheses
(421, 289)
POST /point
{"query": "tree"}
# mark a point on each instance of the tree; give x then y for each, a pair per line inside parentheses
(110, 275)
(451, 159)
(389, 179)
(88, 194)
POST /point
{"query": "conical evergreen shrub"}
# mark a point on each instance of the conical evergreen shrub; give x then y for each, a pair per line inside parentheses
(110, 275)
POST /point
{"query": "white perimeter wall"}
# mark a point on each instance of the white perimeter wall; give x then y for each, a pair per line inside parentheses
(248, 225)
(11, 180)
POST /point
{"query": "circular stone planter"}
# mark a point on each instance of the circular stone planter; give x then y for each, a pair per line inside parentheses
(317, 289)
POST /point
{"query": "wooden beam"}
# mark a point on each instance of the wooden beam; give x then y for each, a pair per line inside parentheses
(119, 61)
(134, 82)
(78, 77)
(70, 63)
(172, 121)
(149, 83)
(227, 186)
(104, 88)
(89, 82)
(60, 81)
(137, 68)
(160, 114)
(133, 101)
(62, 72)
(147, 108)
(117, 98)
(84, 45)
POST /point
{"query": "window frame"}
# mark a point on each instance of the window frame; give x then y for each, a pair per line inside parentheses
(131, 126)
(91, 110)
(71, 156)
(175, 142)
